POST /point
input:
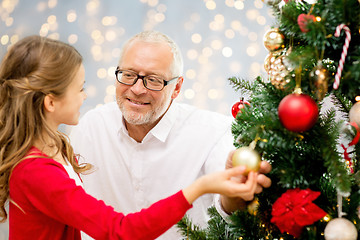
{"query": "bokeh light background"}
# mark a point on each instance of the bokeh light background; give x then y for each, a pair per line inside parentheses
(218, 39)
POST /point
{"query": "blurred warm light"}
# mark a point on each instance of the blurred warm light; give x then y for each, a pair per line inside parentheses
(73, 38)
(153, 3)
(318, 18)
(227, 52)
(229, 33)
(258, 3)
(189, 94)
(101, 73)
(41, 6)
(110, 90)
(239, 4)
(252, 14)
(110, 35)
(236, 25)
(161, 8)
(51, 19)
(216, 44)
(357, 98)
(71, 16)
(229, 3)
(4, 39)
(14, 39)
(52, 3)
(190, 74)
(159, 17)
(111, 71)
(213, 94)
(210, 4)
(196, 38)
(207, 52)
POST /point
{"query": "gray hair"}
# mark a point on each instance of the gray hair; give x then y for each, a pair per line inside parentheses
(177, 66)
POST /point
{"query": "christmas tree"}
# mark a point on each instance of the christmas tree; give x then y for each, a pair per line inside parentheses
(313, 63)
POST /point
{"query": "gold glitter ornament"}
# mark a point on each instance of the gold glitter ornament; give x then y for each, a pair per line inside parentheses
(278, 72)
(274, 40)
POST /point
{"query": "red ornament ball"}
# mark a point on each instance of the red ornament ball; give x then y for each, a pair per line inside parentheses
(298, 112)
(236, 108)
(303, 20)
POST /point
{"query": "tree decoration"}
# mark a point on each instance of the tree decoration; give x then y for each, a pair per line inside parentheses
(354, 113)
(274, 40)
(350, 129)
(247, 156)
(340, 229)
(278, 71)
(295, 210)
(343, 54)
(319, 81)
(303, 20)
(236, 108)
(298, 112)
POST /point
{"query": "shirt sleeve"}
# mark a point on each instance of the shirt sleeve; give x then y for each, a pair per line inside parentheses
(49, 189)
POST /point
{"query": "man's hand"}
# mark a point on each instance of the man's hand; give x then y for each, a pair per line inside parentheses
(231, 204)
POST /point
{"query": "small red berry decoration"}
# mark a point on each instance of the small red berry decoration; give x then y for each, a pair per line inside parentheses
(298, 112)
(236, 108)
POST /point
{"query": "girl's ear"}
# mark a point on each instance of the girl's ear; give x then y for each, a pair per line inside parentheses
(49, 103)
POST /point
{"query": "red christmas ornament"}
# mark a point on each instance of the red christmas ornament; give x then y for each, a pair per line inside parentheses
(303, 20)
(236, 108)
(298, 112)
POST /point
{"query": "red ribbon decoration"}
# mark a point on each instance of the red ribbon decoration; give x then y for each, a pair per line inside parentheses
(354, 141)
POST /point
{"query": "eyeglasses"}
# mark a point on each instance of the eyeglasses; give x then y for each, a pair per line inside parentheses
(151, 82)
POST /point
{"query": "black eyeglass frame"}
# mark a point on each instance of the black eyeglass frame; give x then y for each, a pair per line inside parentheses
(142, 77)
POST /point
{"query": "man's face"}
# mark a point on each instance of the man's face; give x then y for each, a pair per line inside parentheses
(141, 106)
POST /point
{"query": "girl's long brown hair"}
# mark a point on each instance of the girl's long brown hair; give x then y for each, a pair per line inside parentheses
(32, 68)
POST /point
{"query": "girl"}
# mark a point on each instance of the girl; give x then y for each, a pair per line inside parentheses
(41, 87)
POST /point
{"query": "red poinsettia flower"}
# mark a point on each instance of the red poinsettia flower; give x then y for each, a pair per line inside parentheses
(295, 209)
(303, 20)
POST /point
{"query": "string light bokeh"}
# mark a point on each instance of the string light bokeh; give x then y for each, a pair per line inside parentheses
(218, 40)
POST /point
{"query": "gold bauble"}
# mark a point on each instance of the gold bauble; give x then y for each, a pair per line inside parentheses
(252, 207)
(319, 81)
(246, 156)
(278, 72)
(274, 40)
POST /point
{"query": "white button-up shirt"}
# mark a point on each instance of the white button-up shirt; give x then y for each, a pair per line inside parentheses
(185, 144)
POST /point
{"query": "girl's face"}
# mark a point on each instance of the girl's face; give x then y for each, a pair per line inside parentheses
(67, 108)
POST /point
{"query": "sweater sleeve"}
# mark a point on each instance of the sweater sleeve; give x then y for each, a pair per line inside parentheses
(48, 188)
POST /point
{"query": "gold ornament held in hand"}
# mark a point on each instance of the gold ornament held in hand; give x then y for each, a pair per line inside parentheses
(246, 156)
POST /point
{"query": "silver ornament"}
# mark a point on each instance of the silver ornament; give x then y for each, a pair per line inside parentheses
(340, 229)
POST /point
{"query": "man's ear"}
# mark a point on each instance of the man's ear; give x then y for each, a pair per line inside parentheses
(177, 88)
(49, 103)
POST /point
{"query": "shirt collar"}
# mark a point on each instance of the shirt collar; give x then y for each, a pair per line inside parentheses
(162, 129)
